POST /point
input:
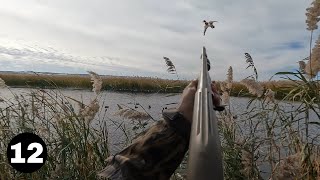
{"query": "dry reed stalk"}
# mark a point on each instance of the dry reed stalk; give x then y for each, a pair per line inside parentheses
(225, 97)
(223, 86)
(226, 87)
(313, 65)
(254, 87)
(171, 68)
(316, 164)
(246, 161)
(2, 83)
(302, 66)
(289, 168)
(97, 82)
(90, 111)
(229, 77)
(313, 14)
(228, 122)
(269, 95)
(249, 60)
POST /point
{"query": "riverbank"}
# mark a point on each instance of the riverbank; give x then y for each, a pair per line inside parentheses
(126, 84)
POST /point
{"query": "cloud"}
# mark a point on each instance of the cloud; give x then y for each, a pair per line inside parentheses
(50, 59)
(45, 55)
(131, 37)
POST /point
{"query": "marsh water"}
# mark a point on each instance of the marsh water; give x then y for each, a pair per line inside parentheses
(120, 131)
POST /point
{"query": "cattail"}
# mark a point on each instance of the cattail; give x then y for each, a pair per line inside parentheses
(253, 86)
(312, 14)
(269, 95)
(302, 66)
(96, 82)
(229, 77)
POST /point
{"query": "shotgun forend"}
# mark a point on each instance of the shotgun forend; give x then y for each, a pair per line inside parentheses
(205, 158)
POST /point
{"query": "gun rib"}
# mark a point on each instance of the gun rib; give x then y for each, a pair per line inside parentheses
(205, 159)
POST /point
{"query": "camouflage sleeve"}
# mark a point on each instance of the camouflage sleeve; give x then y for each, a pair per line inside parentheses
(155, 154)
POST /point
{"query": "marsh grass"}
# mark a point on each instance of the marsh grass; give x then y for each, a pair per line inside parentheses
(130, 84)
(274, 139)
(75, 149)
(111, 83)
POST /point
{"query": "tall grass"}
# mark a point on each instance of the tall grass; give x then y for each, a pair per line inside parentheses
(274, 139)
(75, 149)
(130, 84)
(113, 83)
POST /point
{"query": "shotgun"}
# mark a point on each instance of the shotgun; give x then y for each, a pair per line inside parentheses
(205, 158)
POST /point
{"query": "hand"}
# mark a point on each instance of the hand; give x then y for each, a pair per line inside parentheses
(187, 99)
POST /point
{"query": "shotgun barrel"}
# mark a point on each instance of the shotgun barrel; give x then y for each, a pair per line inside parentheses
(205, 158)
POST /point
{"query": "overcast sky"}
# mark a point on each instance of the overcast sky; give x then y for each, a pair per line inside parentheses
(131, 37)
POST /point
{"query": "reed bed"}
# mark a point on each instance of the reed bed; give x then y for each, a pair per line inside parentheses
(113, 83)
(75, 149)
(130, 84)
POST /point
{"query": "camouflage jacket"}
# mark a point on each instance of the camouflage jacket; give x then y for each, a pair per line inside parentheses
(154, 155)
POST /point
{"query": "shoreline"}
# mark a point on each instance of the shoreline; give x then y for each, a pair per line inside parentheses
(125, 84)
